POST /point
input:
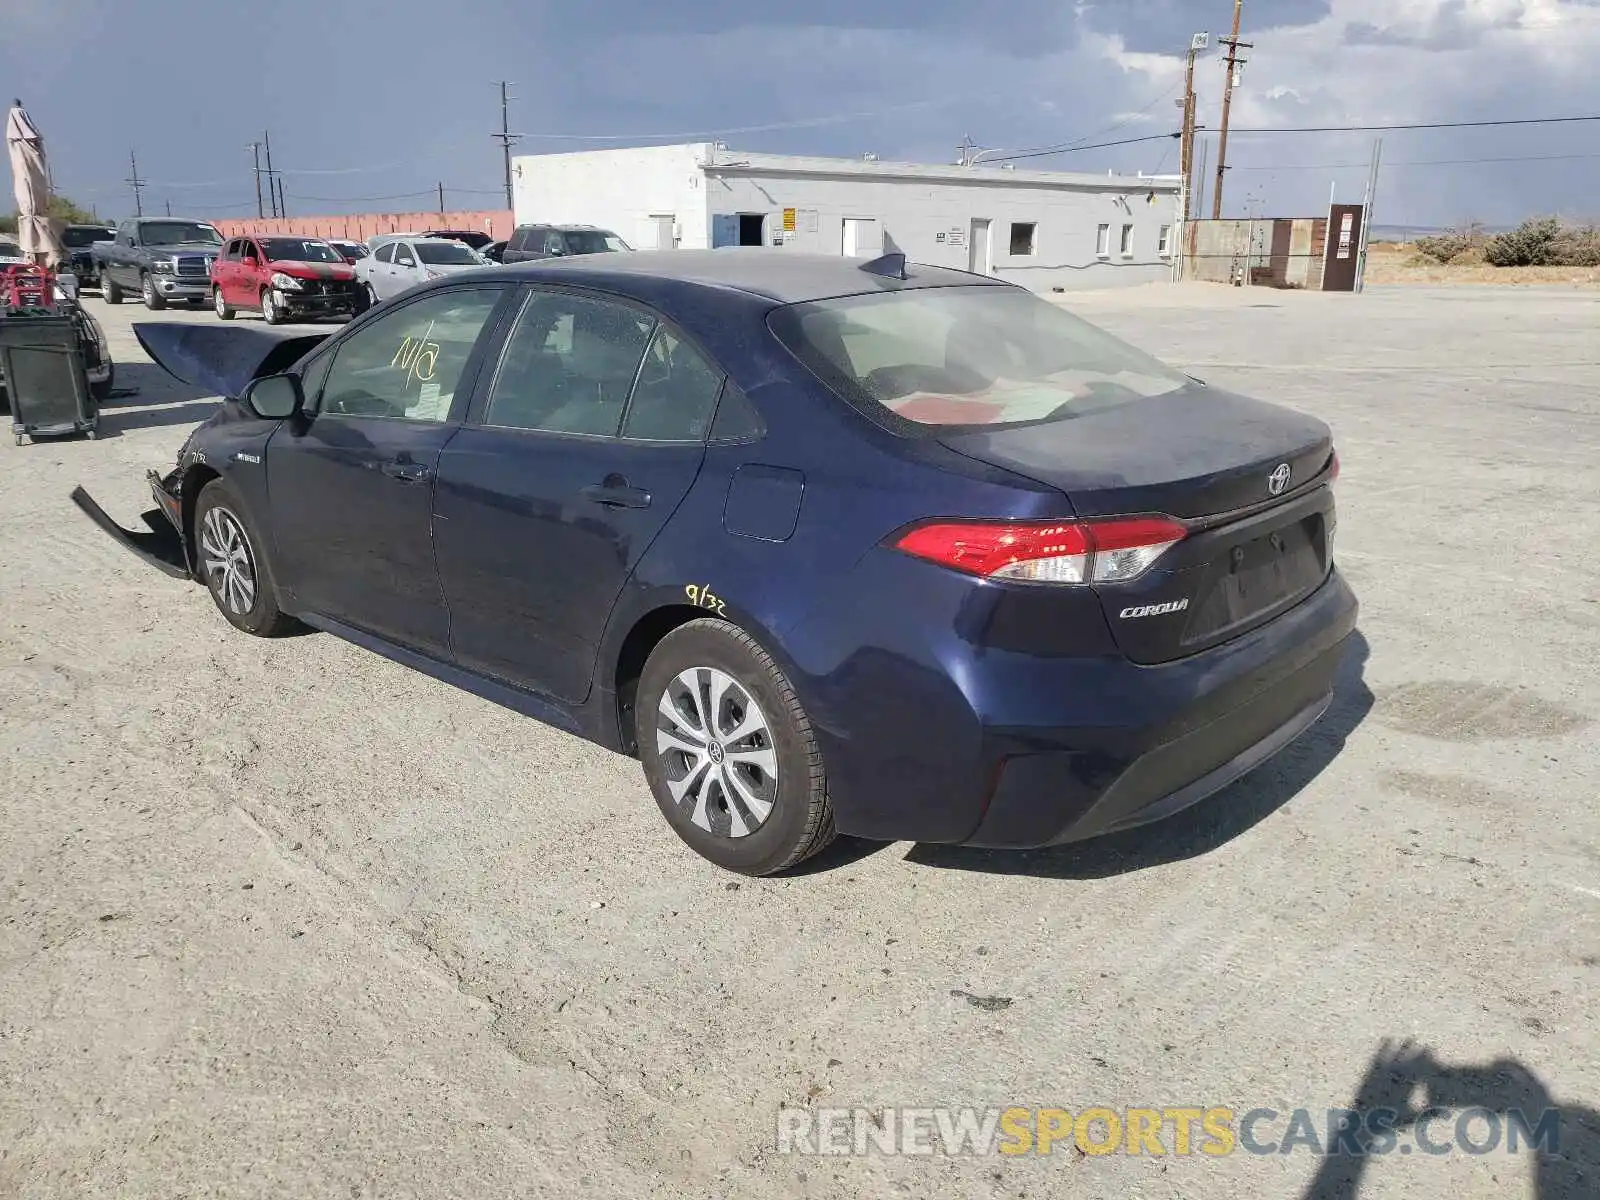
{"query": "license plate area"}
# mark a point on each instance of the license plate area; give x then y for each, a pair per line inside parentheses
(1260, 576)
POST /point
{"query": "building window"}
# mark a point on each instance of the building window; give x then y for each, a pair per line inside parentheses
(1127, 241)
(1103, 242)
(1022, 236)
(1165, 245)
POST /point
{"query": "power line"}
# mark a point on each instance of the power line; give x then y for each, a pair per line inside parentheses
(1153, 137)
(1427, 162)
(1426, 125)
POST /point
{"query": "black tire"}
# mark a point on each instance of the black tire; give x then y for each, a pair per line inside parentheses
(372, 297)
(109, 291)
(262, 617)
(153, 300)
(799, 822)
(102, 391)
(221, 307)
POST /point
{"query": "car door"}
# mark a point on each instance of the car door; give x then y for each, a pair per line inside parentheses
(378, 269)
(223, 269)
(252, 274)
(351, 480)
(120, 261)
(406, 271)
(573, 460)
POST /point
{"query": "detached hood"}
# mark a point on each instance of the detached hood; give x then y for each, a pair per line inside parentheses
(223, 360)
(340, 271)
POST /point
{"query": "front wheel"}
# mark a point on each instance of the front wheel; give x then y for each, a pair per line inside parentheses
(234, 565)
(729, 752)
(221, 307)
(270, 312)
(153, 300)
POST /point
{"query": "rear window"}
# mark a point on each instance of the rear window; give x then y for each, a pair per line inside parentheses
(76, 237)
(441, 253)
(930, 358)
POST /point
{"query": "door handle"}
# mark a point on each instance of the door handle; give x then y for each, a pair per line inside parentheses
(407, 472)
(617, 495)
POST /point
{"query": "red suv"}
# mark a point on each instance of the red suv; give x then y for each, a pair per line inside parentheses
(285, 279)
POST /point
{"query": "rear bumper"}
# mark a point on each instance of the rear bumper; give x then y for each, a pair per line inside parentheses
(1209, 720)
(160, 544)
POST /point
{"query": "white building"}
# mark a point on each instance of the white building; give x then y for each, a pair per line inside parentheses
(1042, 229)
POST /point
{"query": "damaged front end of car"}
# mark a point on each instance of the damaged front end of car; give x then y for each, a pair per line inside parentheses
(161, 543)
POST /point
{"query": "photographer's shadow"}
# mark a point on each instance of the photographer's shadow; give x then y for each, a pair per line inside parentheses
(1562, 1140)
(1199, 830)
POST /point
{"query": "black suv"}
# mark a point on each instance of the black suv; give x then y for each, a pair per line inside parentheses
(529, 242)
(77, 239)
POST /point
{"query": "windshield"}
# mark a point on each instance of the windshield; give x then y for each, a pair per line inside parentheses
(177, 233)
(592, 241)
(966, 356)
(300, 250)
(447, 254)
(10, 249)
(76, 237)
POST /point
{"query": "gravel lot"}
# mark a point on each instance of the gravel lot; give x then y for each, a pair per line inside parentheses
(285, 919)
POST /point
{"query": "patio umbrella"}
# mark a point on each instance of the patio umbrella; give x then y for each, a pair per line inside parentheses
(31, 183)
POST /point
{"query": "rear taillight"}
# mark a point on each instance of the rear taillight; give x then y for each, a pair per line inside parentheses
(1333, 467)
(1045, 552)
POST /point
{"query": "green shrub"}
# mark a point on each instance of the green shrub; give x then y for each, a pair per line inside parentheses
(1531, 244)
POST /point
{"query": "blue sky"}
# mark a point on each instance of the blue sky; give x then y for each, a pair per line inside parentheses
(372, 104)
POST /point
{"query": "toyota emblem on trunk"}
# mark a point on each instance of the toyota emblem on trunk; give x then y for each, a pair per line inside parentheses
(1278, 480)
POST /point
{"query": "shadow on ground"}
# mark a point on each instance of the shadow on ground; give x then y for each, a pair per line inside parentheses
(146, 397)
(1198, 830)
(1484, 1109)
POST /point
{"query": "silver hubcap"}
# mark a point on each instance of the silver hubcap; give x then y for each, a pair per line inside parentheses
(267, 305)
(221, 306)
(716, 747)
(230, 570)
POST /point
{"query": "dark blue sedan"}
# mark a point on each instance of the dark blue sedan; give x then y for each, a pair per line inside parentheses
(897, 551)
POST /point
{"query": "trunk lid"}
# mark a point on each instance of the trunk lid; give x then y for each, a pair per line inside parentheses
(1213, 460)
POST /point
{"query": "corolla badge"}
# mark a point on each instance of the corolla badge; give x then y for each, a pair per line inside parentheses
(1278, 480)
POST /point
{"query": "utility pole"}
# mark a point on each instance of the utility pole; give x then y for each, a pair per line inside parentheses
(1186, 145)
(1200, 178)
(283, 207)
(1366, 213)
(271, 177)
(506, 138)
(964, 151)
(441, 198)
(137, 184)
(169, 208)
(255, 149)
(1234, 62)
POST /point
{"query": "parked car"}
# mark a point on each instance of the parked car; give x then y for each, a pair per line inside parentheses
(160, 258)
(353, 252)
(401, 262)
(494, 251)
(285, 279)
(529, 242)
(11, 251)
(79, 240)
(475, 238)
(904, 552)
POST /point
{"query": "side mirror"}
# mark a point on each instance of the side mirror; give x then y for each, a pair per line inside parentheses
(274, 398)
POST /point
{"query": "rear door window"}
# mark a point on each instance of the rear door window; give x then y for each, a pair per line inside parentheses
(569, 365)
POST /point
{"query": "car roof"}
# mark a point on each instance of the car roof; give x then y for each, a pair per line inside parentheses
(782, 276)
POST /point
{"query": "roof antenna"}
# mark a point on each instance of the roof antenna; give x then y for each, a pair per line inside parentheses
(890, 266)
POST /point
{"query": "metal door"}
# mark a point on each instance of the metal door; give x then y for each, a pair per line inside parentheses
(665, 225)
(1343, 249)
(859, 238)
(980, 259)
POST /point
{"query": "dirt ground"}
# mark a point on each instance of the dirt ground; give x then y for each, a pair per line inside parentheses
(283, 919)
(1388, 262)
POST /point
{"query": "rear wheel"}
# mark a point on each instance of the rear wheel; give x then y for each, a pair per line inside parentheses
(234, 565)
(109, 291)
(153, 300)
(221, 307)
(729, 752)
